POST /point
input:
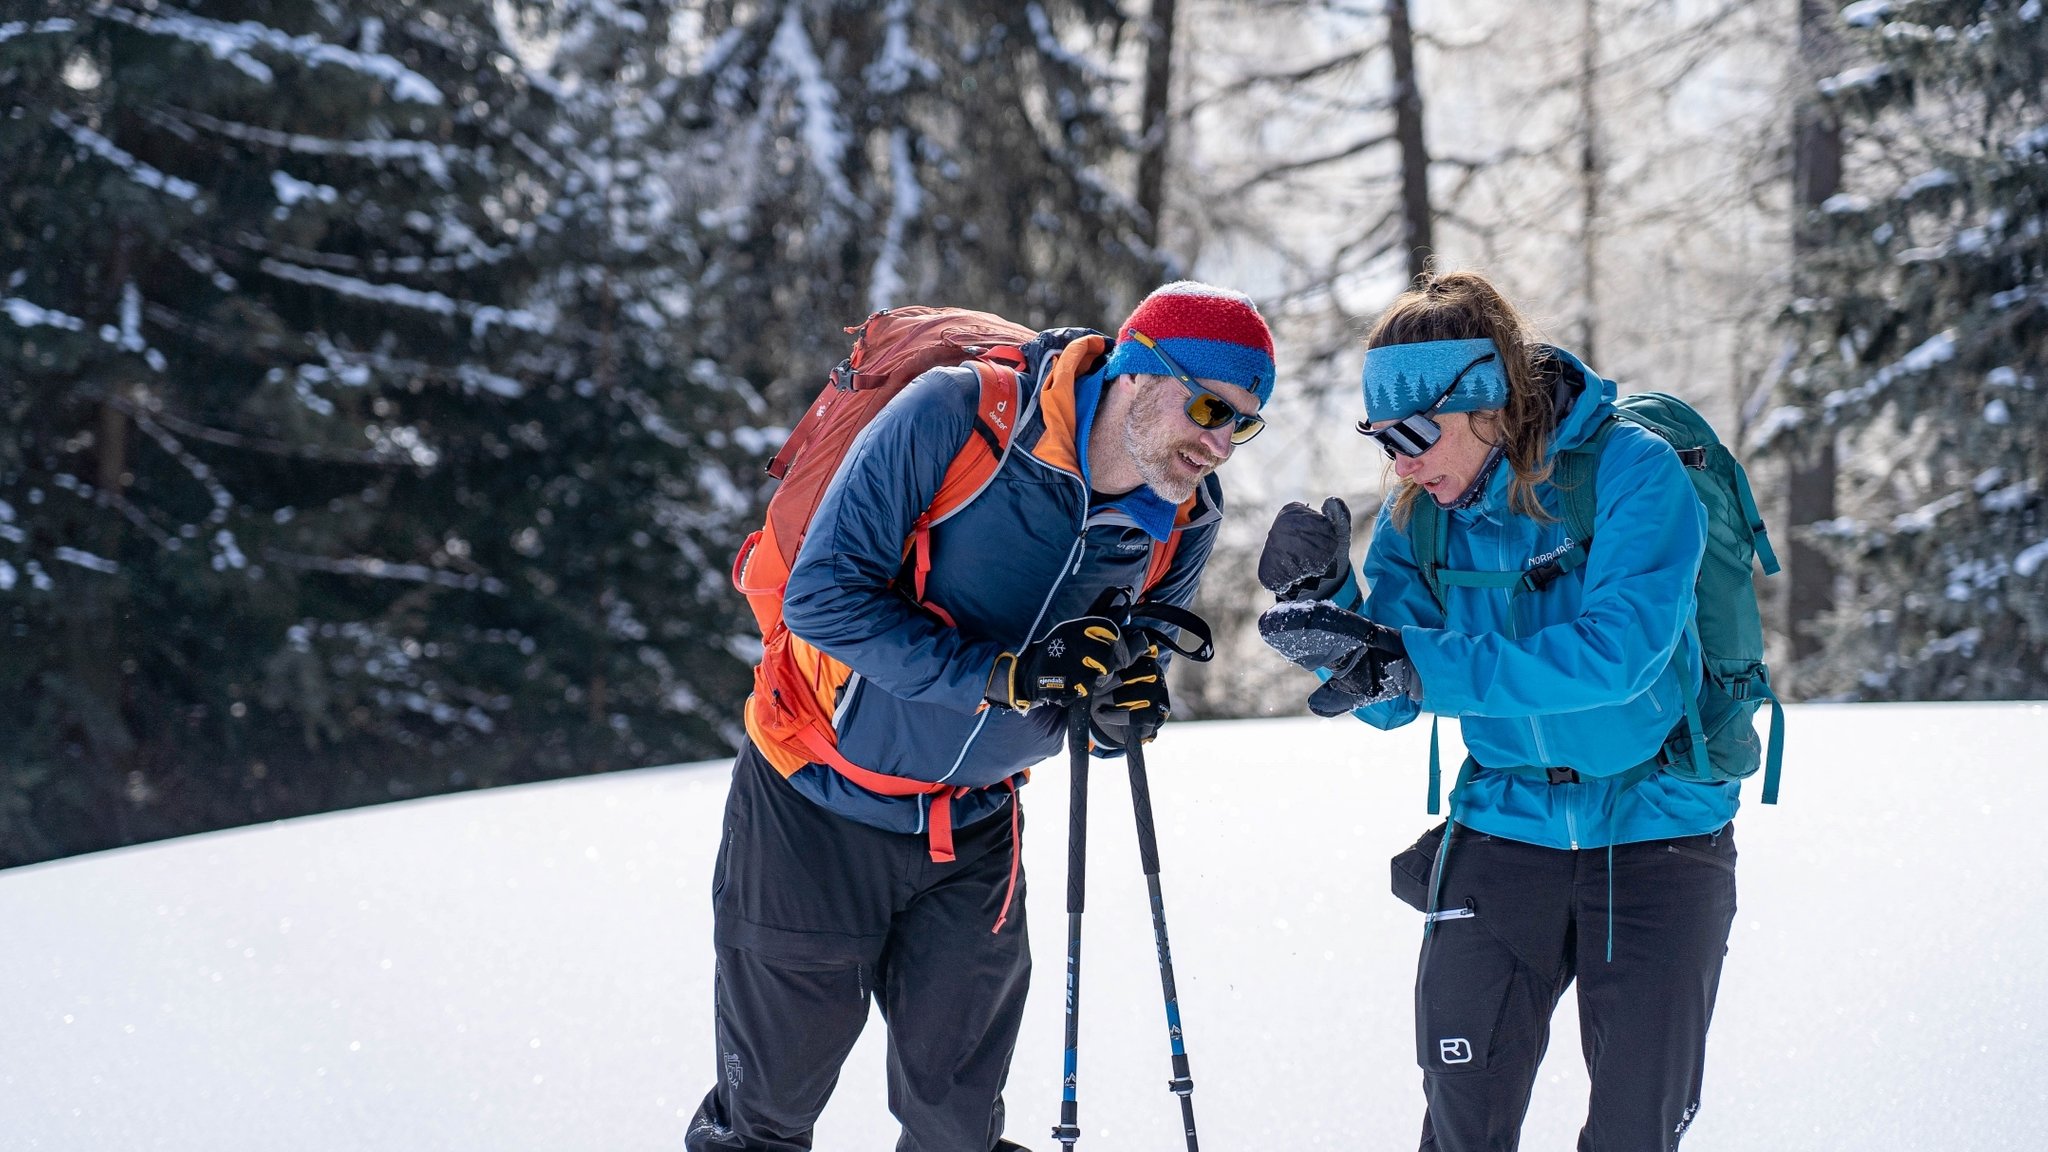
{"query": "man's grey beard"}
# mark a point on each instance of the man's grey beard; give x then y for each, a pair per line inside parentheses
(1154, 471)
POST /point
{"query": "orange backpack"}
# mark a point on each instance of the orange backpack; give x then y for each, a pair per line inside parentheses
(789, 714)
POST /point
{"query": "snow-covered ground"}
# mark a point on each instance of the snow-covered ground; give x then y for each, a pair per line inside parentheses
(530, 968)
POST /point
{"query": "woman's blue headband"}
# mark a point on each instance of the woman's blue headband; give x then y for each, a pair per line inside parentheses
(1403, 379)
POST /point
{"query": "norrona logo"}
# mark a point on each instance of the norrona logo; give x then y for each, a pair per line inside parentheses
(1456, 1050)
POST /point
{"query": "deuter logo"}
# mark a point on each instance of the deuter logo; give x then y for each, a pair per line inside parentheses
(1456, 1050)
(997, 416)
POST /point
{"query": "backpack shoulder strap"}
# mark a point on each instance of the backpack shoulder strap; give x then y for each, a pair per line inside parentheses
(1576, 476)
(1428, 539)
(995, 424)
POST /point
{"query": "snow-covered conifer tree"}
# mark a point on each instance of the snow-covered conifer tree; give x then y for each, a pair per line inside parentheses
(325, 482)
(1924, 316)
(380, 376)
(861, 156)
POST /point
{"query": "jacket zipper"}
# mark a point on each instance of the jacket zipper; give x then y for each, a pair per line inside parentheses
(1072, 566)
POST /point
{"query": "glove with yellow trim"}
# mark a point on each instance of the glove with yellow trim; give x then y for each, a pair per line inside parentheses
(1064, 665)
(1133, 706)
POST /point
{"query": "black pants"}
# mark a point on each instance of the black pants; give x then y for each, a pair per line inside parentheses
(1487, 983)
(814, 915)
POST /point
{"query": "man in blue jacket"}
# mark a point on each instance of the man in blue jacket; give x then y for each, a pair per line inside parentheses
(1568, 856)
(828, 892)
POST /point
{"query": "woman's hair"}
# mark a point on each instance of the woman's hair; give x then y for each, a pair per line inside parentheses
(1466, 306)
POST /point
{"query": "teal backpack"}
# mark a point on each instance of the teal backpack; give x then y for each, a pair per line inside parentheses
(1718, 739)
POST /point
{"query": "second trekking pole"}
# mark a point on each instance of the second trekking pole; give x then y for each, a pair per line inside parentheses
(1068, 1130)
(1182, 1084)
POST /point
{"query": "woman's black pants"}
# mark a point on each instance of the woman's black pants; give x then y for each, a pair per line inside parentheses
(1643, 938)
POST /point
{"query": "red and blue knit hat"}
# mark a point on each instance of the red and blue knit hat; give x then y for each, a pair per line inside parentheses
(1212, 332)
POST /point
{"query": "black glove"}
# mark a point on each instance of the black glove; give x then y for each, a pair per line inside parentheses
(1132, 706)
(1368, 661)
(1317, 634)
(1307, 553)
(1060, 667)
(1375, 677)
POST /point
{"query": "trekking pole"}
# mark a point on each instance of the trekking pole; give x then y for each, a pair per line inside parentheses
(1068, 1130)
(1182, 1084)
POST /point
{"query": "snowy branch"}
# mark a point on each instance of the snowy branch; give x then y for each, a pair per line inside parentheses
(825, 139)
(27, 315)
(13, 28)
(898, 65)
(193, 465)
(1049, 46)
(137, 171)
(377, 569)
(233, 43)
(482, 317)
(907, 201)
(434, 158)
(237, 440)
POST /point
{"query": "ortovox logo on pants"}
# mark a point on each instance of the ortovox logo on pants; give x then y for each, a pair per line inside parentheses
(1456, 1050)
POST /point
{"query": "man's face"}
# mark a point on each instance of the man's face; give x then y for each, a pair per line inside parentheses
(1172, 454)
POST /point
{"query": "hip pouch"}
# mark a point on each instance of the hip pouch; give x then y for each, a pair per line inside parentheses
(1411, 868)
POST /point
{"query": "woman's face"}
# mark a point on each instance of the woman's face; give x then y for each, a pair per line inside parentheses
(1447, 469)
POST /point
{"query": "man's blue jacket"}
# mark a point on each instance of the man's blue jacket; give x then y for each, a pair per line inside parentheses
(1030, 551)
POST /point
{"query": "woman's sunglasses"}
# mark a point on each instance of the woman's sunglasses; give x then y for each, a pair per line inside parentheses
(1411, 436)
(1205, 409)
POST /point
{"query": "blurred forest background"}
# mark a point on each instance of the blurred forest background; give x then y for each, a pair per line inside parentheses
(385, 384)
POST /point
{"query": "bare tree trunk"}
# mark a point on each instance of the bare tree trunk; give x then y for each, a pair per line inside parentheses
(1817, 175)
(1158, 95)
(94, 617)
(1590, 175)
(1416, 238)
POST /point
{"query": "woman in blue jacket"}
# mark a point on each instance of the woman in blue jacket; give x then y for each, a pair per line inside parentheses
(1567, 856)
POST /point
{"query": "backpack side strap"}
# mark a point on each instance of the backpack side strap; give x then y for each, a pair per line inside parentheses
(1767, 555)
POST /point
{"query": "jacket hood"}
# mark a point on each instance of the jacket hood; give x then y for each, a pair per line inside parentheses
(1583, 398)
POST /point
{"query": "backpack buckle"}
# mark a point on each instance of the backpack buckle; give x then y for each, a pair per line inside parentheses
(1540, 577)
(1693, 458)
(1561, 775)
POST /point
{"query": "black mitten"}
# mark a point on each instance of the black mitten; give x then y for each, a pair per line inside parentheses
(1307, 553)
(1318, 634)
